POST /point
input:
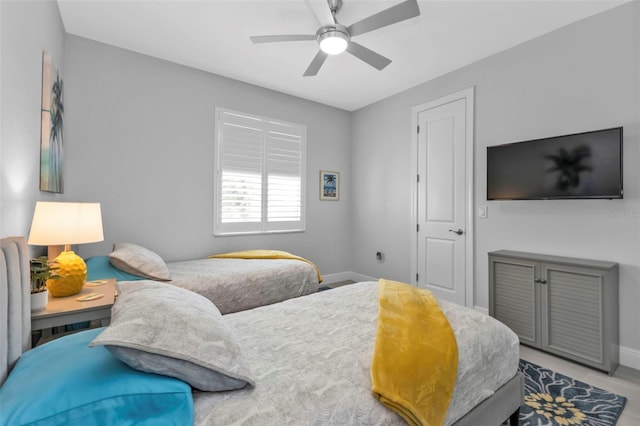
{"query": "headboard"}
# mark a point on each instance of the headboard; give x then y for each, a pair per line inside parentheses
(15, 302)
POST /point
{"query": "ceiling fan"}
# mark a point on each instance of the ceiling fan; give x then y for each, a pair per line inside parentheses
(334, 38)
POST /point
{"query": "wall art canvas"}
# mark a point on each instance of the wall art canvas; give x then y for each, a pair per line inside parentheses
(51, 147)
(329, 185)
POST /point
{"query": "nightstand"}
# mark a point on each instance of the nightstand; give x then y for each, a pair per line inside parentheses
(67, 310)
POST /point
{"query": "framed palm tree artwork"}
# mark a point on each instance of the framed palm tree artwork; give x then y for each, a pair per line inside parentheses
(51, 149)
(329, 185)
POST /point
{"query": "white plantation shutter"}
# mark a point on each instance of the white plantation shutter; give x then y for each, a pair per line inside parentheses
(259, 174)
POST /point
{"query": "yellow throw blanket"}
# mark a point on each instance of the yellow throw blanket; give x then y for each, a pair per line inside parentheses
(415, 358)
(265, 254)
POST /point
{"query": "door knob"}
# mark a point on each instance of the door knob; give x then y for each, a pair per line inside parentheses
(459, 231)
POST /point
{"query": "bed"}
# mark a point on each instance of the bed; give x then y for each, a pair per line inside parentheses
(253, 278)
(309, 358)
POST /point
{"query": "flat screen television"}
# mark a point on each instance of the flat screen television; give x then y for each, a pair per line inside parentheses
(580, 165)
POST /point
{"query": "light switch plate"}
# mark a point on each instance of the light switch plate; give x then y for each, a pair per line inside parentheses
(483, 211)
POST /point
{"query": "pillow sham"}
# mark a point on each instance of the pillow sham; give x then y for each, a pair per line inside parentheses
(163, 329)
(99, 268)
(140, 261)
(65, 382)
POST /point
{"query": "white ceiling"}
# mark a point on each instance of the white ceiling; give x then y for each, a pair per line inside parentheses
(213, 35)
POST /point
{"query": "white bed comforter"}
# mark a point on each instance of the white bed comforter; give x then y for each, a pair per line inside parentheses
(311, 358)
(238, 284)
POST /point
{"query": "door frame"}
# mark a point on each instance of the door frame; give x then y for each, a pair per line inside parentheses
(468, 96)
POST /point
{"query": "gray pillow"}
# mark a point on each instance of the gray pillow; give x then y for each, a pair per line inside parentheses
(139, 261)
(163, 329)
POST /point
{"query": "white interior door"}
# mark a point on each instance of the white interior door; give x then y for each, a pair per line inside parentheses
(444, 200)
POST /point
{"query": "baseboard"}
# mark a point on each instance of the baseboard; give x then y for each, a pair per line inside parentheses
(481, 309)
(345, 276)
(630, 357)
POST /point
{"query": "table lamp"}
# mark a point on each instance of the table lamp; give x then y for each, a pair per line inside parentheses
(55, 224)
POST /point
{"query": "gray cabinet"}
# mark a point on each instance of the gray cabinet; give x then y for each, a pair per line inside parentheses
(562, 305)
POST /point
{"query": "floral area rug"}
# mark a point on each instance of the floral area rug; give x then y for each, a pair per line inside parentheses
(555, 399)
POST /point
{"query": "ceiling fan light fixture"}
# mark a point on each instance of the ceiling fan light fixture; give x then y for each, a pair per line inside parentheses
(333, 41)
(335, 38)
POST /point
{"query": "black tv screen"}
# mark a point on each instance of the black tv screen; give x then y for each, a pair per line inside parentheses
(581, 165)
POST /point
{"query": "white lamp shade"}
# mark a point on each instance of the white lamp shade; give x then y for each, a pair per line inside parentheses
(57, 223)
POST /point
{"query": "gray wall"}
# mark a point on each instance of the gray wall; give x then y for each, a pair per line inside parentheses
(27, 28)
(139, 139)
(581, 77)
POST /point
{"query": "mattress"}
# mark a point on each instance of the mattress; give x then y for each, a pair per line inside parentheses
(311, 361)
(239, 284)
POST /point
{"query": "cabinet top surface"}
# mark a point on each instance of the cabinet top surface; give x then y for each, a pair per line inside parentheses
(600, 264)
(64, 305)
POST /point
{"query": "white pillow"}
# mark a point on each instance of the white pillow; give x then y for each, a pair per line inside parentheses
(163, 329)
(140, 261)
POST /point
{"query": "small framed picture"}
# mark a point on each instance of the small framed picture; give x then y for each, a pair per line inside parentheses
(329, 185)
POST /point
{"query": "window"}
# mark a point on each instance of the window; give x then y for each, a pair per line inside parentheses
(259, 174)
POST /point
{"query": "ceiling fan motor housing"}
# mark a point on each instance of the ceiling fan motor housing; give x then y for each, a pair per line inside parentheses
(333, 39)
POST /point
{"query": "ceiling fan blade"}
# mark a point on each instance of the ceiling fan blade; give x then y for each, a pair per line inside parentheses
(398, 13)
(278, 38)
(369, 56)
(322, 10)
(315, 64)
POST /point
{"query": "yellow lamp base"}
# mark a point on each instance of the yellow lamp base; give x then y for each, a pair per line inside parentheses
(72, 273)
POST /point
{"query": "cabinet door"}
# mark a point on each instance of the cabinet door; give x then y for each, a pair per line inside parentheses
(513, 296)
(572, 316)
